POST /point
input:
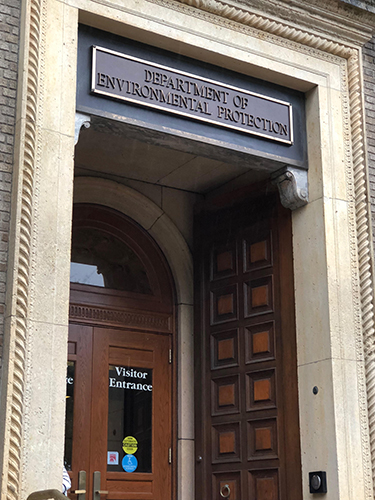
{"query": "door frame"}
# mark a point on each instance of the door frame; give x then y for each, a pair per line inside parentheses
(165, 273)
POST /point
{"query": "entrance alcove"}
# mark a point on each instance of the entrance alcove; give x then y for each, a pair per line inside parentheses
(162, 189)
(170, 171)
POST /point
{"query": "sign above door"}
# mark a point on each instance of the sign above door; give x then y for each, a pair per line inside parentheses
(185, 104)
(164, 88)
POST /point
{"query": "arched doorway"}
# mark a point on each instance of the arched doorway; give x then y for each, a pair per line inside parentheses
(119, 385)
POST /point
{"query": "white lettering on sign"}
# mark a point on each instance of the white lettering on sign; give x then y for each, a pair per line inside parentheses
(127, 373)
(69, 380)
(121, 384)
(121, 371)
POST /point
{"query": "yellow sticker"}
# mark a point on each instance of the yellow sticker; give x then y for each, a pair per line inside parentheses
(130, 445)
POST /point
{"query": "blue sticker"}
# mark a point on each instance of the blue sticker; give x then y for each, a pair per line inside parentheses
(129, 463)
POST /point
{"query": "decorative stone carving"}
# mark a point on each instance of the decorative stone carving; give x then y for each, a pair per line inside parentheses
(366, 279)
(141, 319)
(274, 17)
(81, 121)
(292, 185)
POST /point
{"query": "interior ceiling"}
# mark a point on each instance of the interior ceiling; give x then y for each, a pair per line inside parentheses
(101, 152)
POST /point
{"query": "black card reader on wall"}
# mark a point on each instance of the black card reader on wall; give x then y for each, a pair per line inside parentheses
(318, 482)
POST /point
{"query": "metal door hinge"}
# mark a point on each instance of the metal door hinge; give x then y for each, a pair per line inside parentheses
(170, 356)
(170, 455)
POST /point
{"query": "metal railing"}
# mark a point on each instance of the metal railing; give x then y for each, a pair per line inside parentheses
(47, 495)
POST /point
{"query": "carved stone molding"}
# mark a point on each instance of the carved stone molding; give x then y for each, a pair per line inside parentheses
(81, 121)
(362, 215)
(332, 22)
(26, 163)
(142, 320)
(292, 185)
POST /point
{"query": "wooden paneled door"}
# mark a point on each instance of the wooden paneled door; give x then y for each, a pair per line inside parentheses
(119, 414)
(122, 388)
(247, 434)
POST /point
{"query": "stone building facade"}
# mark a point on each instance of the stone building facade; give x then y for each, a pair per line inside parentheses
(249, 375)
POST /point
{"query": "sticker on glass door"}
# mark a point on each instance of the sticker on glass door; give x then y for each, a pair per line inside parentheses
(129, 463)
(130, 418)
(112, 458)
(130, 445)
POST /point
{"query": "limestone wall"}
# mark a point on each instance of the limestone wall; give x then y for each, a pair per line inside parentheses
(9, 43)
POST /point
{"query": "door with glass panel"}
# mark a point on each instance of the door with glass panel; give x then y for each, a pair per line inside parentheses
(118, 440)
(119, 409)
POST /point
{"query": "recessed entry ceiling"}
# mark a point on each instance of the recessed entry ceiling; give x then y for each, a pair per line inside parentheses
(101, 151)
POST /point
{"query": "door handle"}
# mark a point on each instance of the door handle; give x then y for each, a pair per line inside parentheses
(225, 491)
(96, 487)
(81, 492)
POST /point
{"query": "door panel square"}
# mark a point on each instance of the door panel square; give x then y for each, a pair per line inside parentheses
(260, 342)
(258, 296)
(224, 261)
(224, 304)
(225, 395)
(257, 252)
(224, 483)
(260, 390)
(226, 443)
(263, 485)
(224, 349)
(262, 439)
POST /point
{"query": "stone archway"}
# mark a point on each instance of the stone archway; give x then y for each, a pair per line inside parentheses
(158, 225)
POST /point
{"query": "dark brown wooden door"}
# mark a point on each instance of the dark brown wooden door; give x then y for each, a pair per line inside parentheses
(122, 388)
(247, 413)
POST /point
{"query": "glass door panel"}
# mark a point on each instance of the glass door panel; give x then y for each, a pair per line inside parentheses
(69, 412)
(129, 419)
